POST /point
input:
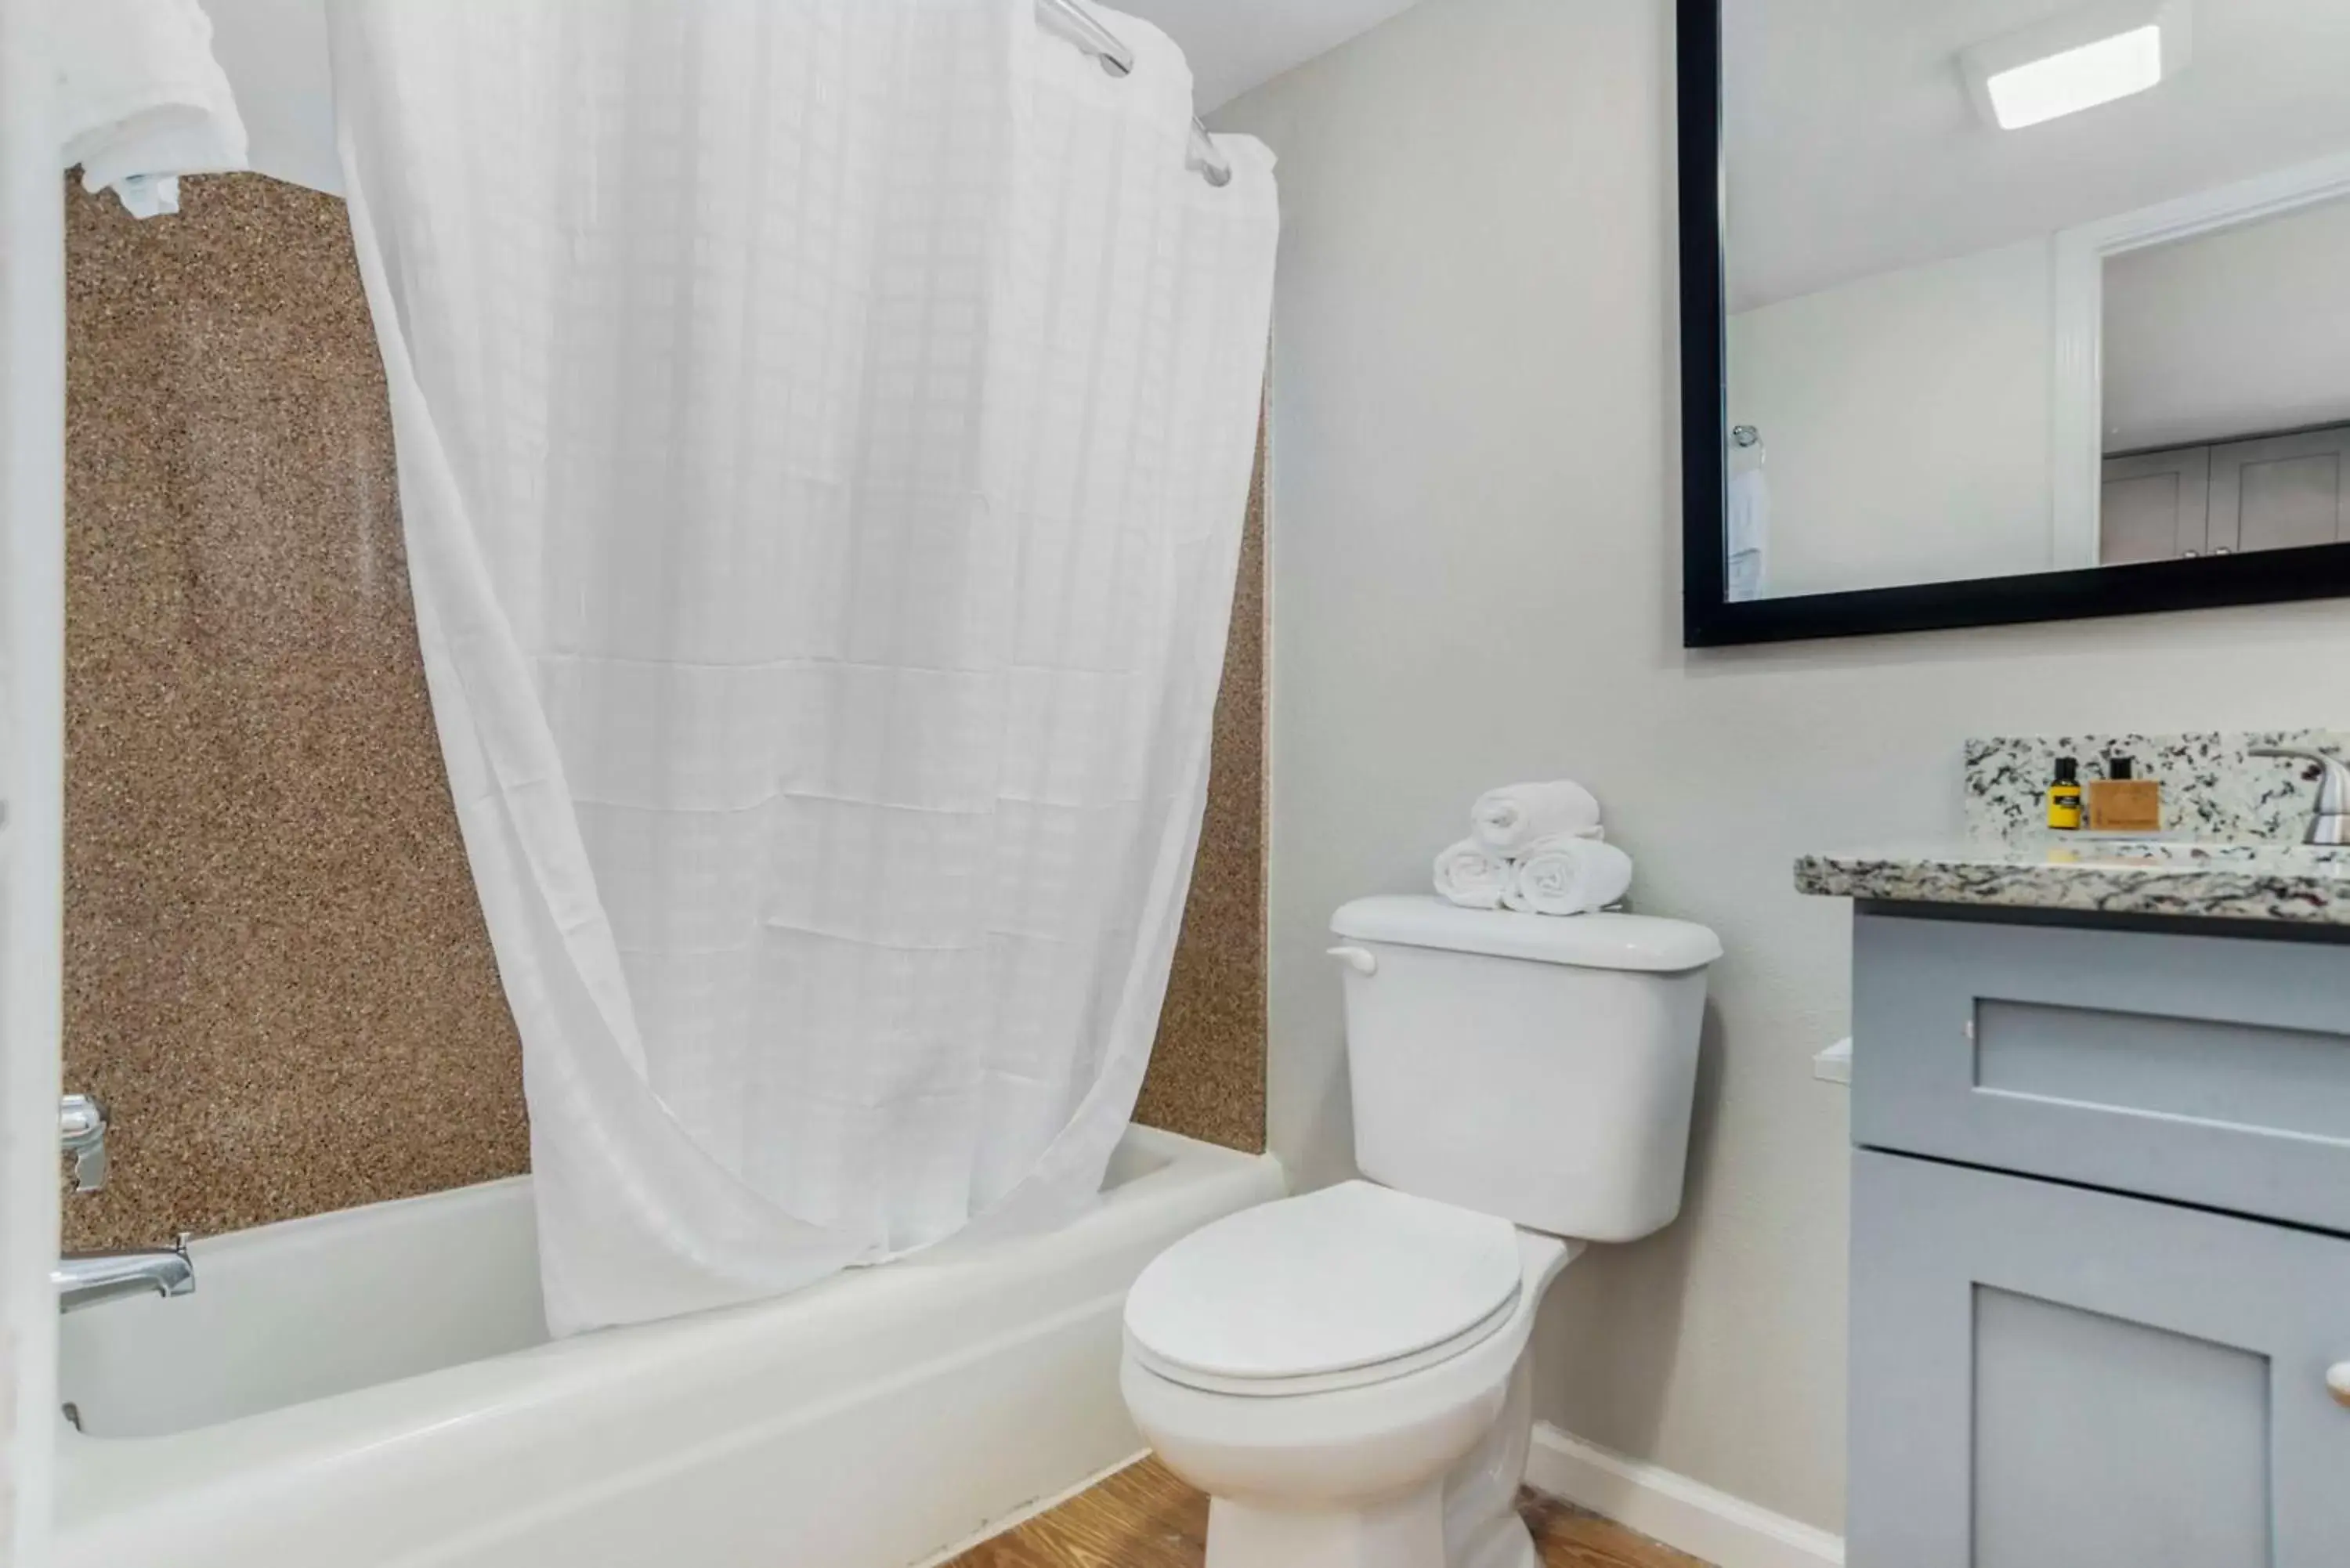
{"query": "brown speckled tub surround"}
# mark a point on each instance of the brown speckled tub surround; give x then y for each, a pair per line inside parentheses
(1207, 1071)
(276, 973)
(275, 968)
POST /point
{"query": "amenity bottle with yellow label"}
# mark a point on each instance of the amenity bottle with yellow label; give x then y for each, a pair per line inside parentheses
(2064, 797)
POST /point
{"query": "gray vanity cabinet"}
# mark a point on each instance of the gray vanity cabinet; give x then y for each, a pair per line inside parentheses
(2099, 1271)
(2281, 493)
(2212, 1070)
(2275, 493)
(2156, 506)
(2047, 1376)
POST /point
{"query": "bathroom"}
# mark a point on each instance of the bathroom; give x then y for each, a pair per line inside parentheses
(1560, 289)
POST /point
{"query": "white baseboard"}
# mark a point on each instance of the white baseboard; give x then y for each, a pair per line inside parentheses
(1710, 1525)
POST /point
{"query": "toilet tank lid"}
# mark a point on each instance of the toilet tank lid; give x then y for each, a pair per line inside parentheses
(1642, 942)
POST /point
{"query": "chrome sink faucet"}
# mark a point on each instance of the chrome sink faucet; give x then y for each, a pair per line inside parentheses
(2330, 824)
(86, 1278)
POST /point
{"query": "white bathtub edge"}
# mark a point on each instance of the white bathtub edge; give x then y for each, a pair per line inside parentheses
(955, 1433)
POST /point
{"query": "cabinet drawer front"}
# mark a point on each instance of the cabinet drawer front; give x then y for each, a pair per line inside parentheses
(2044, 1375)
(2206, 1069)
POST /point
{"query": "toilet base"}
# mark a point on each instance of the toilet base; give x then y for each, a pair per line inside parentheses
(1482, 1527)
(1510, 1545)
(1465, 1519)
(1406, 1532)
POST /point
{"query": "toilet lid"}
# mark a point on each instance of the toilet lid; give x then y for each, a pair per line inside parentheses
(1352, 1277)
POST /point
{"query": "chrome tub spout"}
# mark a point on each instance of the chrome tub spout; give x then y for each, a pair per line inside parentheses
(86, 1278)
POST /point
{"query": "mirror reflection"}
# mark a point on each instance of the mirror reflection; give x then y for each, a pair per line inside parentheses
(2018, 287)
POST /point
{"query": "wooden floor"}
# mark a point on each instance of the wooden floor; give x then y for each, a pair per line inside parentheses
(1145, 1518)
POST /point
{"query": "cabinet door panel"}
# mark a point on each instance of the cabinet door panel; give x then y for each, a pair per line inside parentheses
(2089, 1429)
(2156, 506)
(2045, 1377)
(2281, 492)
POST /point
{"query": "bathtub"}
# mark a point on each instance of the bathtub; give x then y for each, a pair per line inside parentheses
(376, 1387)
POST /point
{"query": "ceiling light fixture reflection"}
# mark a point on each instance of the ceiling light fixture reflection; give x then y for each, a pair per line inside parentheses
(2077, 61)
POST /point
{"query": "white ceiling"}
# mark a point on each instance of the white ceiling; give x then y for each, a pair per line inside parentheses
(1235, 44)
(275, 55)
(1853, 148)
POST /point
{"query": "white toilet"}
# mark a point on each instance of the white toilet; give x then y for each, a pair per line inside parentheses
(1345, 1373)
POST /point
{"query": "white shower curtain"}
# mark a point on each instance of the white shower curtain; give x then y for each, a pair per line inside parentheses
(824, 430)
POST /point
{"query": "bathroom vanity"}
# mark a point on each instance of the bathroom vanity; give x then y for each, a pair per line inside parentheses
(2100, 1307)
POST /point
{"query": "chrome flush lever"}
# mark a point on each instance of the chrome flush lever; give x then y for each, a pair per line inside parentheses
(2330, 824)
(81, 1130)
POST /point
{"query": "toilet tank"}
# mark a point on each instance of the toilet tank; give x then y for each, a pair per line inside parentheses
(1537, 1067)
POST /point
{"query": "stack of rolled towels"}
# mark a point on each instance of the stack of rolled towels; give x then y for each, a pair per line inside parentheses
(1539, 848)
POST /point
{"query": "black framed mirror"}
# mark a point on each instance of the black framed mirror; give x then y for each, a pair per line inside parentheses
(2010, 310)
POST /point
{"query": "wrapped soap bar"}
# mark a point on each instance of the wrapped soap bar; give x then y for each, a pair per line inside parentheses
(2122, 803)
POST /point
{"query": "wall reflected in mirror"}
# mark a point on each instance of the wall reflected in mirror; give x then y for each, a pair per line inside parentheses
(2017, 287)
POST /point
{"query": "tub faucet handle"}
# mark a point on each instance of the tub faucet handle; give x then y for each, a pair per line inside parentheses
(81, 1133)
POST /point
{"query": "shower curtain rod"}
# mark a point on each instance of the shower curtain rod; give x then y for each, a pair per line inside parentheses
(1074, 22)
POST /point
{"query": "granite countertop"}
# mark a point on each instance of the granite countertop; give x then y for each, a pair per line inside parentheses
(2278, 882)
(2231, 850)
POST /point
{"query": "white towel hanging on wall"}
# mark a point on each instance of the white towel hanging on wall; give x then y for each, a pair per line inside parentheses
(141, 100)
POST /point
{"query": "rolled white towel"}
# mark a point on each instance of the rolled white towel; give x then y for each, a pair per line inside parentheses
(1472, 876)
(1569, 876)
(1511, 820)
(141, 100)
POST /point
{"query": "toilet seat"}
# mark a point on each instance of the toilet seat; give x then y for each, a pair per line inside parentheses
(1354, 1286)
